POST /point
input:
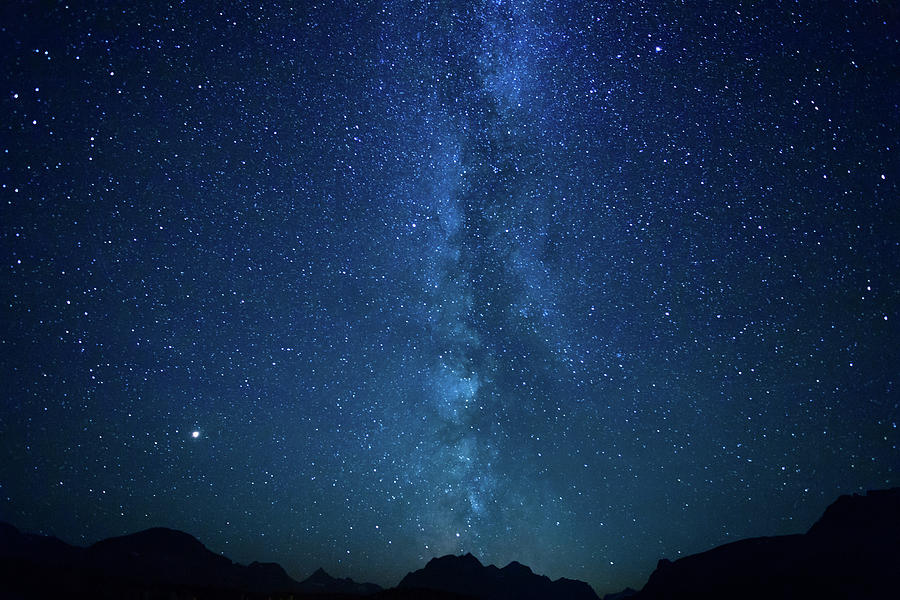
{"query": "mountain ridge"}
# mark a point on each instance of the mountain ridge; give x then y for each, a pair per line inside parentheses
(154, 558)
(466, 575)
(851, 551)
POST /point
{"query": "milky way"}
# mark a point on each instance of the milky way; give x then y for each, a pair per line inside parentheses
(352, 285)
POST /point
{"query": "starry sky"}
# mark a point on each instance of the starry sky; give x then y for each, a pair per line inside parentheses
(356, 284)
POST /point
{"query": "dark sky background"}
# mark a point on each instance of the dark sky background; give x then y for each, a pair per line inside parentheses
(355, 284)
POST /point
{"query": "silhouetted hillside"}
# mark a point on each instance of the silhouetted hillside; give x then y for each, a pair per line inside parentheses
(321, 582)
(15, 545)
(166, 556)
(853, 551)
(465, 575)
(156, 563)
(623, 595)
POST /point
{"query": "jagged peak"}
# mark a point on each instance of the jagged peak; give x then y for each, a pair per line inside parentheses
(860, 512)
(320, 575)
(466, 576)
(518, 568)
(467, 560)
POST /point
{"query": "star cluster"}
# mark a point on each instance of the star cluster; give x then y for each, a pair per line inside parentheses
(355, 284)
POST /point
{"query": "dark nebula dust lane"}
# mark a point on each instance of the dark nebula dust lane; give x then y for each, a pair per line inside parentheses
(355, 284)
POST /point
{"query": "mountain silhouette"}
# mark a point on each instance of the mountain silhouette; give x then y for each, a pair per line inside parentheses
(321, 582)
(623, 595)
(18, 546)
(852, 551)
(157, 562)
(165, 556)
(466, 576)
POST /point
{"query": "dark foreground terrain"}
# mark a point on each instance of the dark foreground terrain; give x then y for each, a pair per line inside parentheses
(851, 552)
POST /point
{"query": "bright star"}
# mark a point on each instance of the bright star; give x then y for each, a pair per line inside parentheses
(195, 434)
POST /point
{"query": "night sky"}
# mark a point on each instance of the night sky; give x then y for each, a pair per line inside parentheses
(355, 284)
